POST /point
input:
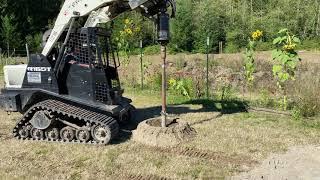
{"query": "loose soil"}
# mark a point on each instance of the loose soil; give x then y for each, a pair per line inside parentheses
(151, 133)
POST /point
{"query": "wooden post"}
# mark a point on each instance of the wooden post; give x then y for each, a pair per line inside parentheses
(220, 47)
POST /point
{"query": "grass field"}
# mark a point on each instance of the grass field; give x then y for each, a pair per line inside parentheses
(227, 143)
(229, 140)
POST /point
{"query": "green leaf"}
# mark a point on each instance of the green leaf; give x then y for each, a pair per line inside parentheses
(291, 64)
(285, 77)
(284, 38)
(283, 31)
(275, 54)
(284, 58)
(296, 40)
(277, 40)
(276, 69)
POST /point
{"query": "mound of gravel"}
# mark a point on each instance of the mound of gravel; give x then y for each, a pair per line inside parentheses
(151, 133)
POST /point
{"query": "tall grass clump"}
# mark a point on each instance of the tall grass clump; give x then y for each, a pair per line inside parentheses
(307, 97)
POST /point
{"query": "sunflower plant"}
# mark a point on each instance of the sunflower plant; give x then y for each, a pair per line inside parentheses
(285, 60)
(182, 86)
(249, 61)
(129, 31)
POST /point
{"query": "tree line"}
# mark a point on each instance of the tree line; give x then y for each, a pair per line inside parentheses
(228, 21)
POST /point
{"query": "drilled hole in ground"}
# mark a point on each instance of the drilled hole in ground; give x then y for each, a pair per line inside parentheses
(157, 122)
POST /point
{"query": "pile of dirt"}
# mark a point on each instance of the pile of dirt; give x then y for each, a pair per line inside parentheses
(151, 133)
(297, 163)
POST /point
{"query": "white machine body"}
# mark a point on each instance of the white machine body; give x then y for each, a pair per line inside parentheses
(14, 75)
(99, 11)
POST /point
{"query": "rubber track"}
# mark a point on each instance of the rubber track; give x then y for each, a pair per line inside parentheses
(70, 111)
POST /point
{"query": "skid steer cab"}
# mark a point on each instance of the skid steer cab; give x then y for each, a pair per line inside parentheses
(71, 92)
(87, 72)
(70, 96)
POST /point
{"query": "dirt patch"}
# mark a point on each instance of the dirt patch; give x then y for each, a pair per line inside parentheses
(151, 133)
(297, 163)
(125, 176)
(215, 157)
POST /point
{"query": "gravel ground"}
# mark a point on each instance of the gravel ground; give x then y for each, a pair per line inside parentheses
(297, 163)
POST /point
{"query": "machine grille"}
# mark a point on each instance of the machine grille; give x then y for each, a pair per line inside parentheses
(78, 48)
(101, 92)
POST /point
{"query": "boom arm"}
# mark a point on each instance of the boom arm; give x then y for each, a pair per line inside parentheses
(99, 11)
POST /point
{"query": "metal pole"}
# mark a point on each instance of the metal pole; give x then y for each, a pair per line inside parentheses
(141, 63)
(208, 43)
(164, 87)
(62, 48)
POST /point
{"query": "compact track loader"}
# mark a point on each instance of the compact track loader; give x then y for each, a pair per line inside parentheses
(71, 91)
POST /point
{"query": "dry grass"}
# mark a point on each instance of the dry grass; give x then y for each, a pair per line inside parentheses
(236, 143)
(232, 143)
(226, 70)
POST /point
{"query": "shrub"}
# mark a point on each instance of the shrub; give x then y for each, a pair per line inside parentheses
(308, 103)
(264, 46)
(180, 63)
(156, 81)
(227, 93)
(232, 48)
(310, 44)
(182, 86)
(34, 42)
(234, 41)
(151, 50)
(265, 99)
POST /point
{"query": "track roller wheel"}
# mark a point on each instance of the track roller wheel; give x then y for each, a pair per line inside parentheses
(52, 134)
(67, 134)
(37, 133)
(83, 135)
(24, 132)
(102, 134)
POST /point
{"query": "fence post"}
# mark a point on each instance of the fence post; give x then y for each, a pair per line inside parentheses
(28, 55)
(8, 49)
(1, 56)
(14, 55)
(141, 63)
(220, 47)
(208, 44)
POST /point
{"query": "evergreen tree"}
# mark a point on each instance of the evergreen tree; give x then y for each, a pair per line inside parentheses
(182, 26)
(9, 32)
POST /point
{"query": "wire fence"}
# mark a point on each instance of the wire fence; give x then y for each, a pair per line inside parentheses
(12, 57)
